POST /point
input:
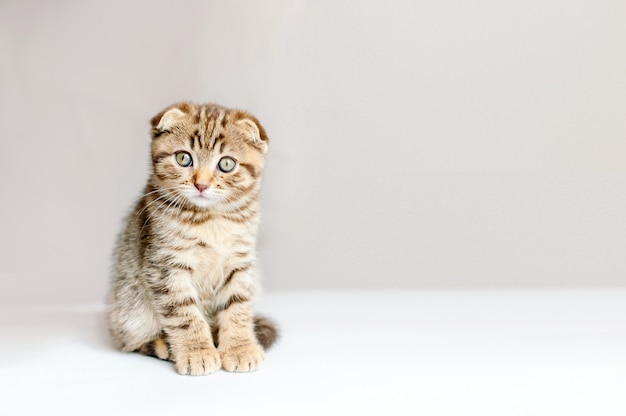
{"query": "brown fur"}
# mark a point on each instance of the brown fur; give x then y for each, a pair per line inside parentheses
(265, 331)
(186, 270)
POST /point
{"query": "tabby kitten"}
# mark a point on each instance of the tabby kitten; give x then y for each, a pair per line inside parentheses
(186, 267)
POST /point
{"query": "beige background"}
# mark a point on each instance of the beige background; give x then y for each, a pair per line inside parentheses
(413, 143)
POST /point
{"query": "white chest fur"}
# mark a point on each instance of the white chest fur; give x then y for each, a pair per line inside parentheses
(222, 246)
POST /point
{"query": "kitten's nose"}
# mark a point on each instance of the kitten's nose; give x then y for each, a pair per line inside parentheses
(201, 187)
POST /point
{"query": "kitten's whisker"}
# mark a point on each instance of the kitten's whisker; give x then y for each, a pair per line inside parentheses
(233, 207)
(165, 201)
(229, 206)
(149, 216)
(159, 190)
(179, 198)
(158, 198)
(161, 196)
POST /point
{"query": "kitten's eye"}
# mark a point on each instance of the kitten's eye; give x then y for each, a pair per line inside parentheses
(226, 164)
(183, 159)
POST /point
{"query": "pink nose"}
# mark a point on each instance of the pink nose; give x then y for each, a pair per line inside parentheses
(201, 187)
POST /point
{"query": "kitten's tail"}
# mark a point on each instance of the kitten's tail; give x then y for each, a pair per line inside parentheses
(266, 331)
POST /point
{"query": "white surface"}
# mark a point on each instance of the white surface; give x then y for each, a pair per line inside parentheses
(550, 352)
(414, 143)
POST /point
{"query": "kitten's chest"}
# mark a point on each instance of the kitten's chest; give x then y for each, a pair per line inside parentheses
(219, 245)
(209, 271)
(220, 239)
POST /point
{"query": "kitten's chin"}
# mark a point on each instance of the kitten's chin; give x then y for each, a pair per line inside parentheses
(202, 201)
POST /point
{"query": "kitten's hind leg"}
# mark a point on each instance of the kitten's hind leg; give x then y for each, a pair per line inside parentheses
(133, 325)
(156, 348)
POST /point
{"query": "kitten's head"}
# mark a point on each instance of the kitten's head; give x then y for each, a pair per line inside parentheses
(207, 156)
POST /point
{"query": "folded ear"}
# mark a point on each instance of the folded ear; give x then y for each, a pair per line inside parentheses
(255, 132)
(168, 118)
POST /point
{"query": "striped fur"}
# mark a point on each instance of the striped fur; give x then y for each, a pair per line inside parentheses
(186, 268)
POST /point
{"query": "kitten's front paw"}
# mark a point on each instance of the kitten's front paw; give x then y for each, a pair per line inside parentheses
(198, 362)
(249, 357)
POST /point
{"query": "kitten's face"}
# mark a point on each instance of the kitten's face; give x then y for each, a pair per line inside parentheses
(207, 157)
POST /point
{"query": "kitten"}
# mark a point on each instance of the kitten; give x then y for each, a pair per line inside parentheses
(186, 268)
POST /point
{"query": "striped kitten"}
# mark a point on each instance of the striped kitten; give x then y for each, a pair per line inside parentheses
(186, 267)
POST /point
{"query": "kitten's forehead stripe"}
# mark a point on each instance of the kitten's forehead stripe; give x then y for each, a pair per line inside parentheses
(196, 139)
(215, 142)
(218, 120)
(198, 120)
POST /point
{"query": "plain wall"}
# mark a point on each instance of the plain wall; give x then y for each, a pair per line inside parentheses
(413, 143)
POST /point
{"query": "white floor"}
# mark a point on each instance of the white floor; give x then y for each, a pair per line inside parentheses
(516, 352)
